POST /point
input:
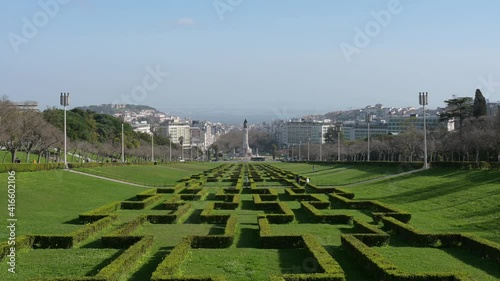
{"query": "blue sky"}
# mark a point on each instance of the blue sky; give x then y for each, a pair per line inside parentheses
(253, 58)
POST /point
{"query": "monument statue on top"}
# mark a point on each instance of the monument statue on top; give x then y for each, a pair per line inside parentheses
(246, 151)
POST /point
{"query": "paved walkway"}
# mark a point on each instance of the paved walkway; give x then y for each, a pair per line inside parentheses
(108, 179)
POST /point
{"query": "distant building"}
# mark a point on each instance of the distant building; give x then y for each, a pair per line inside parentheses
(300, 131)
(27, 105)
(359, 131)
(142, 127)
(175, 130)
(399, 124)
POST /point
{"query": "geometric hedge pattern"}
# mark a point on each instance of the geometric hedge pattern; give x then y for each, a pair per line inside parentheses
(249, 206)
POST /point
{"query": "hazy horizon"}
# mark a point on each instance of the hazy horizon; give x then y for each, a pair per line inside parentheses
(245, 59)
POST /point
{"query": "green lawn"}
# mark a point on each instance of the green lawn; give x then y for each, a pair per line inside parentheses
(440, 200)
(48, 201)
(159, 175)
(405, 257)
(443, 200)
(245, 264)
(58, 263)
(339, 174)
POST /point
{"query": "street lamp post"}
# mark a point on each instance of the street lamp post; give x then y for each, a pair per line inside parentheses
(321, 149)
(300, 144)
(123, 144)
(308, 141)
(368, 118)
(339, 130)
(152, 148)
(64, 100)
(422, 98)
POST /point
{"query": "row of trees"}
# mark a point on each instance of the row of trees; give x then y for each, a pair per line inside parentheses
(476, 138)
(90, 136)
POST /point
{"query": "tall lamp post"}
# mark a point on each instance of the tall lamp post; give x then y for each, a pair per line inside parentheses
(321, 147)
(368, 118)
(152, 147)
(422, 99)
(308, 141)
(339, 130)
(300, 144)
(123, 141)
(64, 99)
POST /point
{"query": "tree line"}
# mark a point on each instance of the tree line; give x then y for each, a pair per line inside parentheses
(92, 136)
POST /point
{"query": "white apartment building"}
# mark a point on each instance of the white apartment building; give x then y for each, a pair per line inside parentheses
(175, 130)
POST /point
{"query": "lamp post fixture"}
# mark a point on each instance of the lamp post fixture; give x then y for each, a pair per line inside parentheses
(422, 99)
(152, 147)
(64, 100)
(368, 119)
(308, 141)
(321, 149)
(339, 130)
(300, 144)
(123, 140)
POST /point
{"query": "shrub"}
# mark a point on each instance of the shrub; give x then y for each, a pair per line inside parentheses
(171, 263)
(139, 205)
(99, 213)
(125, 262)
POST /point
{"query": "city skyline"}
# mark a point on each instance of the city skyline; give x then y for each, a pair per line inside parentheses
(237, 59)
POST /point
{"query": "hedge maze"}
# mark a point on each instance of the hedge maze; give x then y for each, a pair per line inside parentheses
(235, 211)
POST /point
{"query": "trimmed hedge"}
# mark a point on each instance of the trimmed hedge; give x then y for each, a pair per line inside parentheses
(170, 218)
(119, 238)
(382, 269)
(126, 261)
(269, 241)
(22, 242)
(325, 261)
(217, 241)
(99, 213)
(479, 246)
(379, 209)
(70, 240)
(171, 263)
(207, 216)
(139, 205)
(30, 167)
(319, 217)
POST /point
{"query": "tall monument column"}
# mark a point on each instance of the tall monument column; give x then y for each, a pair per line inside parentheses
(246, 151)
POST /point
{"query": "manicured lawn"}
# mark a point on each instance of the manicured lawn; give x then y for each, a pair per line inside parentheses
(444, 200)
(339, 174)
(47, 202)
(410, 259)
(246, 264)
(440, 200)
(58, 263)
(158, 175)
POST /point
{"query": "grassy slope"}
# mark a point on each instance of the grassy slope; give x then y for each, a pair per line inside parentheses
(338, 174)
(46, 201)
(152, 175)
(444, 200)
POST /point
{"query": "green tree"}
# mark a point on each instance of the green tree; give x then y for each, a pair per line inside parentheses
(479, 107)
(330, 136)
(458, 108)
